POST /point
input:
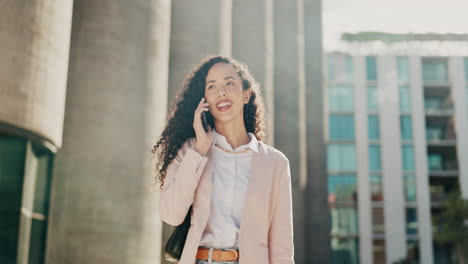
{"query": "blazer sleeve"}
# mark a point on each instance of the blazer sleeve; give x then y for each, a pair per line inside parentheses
(280, 236)
(180, 183)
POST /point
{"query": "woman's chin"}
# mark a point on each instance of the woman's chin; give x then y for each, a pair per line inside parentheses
(223, 118)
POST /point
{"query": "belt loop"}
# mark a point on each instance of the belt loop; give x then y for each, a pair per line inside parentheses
(210, 256)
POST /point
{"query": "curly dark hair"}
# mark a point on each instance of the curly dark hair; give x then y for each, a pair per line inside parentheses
(179, 125)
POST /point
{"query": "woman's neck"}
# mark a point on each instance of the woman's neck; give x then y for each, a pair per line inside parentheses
(234, 132)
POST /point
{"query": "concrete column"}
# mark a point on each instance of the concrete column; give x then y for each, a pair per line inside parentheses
(252, 43)
(103, 206)
(34, 45)
(286, 103)
(195, 33)
(362, 152)
(394, 202)
(457, 78)
(317, 215)
(420, 156)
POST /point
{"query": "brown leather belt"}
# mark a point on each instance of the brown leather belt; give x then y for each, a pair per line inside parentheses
(218, 254)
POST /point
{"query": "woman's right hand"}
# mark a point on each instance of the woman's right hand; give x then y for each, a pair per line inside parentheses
(204, 140)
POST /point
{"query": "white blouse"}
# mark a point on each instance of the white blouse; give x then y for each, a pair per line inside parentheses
(231, 173)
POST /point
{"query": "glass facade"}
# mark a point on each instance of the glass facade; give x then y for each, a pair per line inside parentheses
(373, 127)
(343, 175)
(341, 157)
(403, 69)
(340, 68)
(466, 67)
(372, 98)
(340, 98)
(413, 252)
(16, 156)
(406, 127)
(376, 187)
(342, 188)
(371, 68)
(411, 221)
(434, 161)
(341, 127)
(344, 250)
(410, 187)
(378, 220)
(405, 98)
(375, 162)
(344, 221)
(435, 70)
(378, 249)
(341, 161)
(407, 157)
(466, 82)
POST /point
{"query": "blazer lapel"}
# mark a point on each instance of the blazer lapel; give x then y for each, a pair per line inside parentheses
(255, 184)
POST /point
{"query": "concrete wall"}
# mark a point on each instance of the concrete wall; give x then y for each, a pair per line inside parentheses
(103, 209)
(34, 45)
(317, 217)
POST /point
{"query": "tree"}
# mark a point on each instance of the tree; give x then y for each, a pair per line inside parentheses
(452, 225)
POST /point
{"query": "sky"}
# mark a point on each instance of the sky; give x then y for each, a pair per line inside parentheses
(394, 16)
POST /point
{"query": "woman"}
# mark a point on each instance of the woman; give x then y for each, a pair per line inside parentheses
(240, 187)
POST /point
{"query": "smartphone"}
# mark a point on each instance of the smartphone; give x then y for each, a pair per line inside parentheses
(204, 121)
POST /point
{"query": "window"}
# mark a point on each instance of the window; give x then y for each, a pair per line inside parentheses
(340, 68)
(341, 157)
(372, 98)
(403, 69)
(378, 220)
(433, 102)
(340, 98)
(435, 70)
(342, 188)
(413, 252)
(371, 68)
(410, 188)
(376, 187)
(13, 164)
(434, 161)
(375, 163)
(12, 160)
(405, 103)
(341, 127)
(344, 220)
(435, 133)
(344, 250)
(408, 157)
(411, 221)
(405, 126)
(378, 249)
(373, 127)
(466, 68)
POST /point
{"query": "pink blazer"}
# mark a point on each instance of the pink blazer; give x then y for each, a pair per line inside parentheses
(266, 232)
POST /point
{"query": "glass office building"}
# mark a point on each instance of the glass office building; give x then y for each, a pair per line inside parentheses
(395, 128)
(25, 177)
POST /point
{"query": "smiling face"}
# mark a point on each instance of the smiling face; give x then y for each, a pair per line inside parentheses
(225, 94)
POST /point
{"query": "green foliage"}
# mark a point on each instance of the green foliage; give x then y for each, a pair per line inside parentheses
(452, 223)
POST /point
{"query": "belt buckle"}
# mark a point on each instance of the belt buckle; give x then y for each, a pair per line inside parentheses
(235, 254)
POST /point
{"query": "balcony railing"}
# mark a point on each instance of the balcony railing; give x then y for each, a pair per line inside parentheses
(439, 134)
(445, 165)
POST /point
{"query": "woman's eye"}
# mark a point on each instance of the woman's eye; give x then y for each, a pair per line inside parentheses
(211, 86)
(229, 83)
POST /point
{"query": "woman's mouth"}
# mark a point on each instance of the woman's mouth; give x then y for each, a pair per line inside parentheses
(224, 105)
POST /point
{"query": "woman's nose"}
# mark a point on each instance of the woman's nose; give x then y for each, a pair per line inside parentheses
(221, 92)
